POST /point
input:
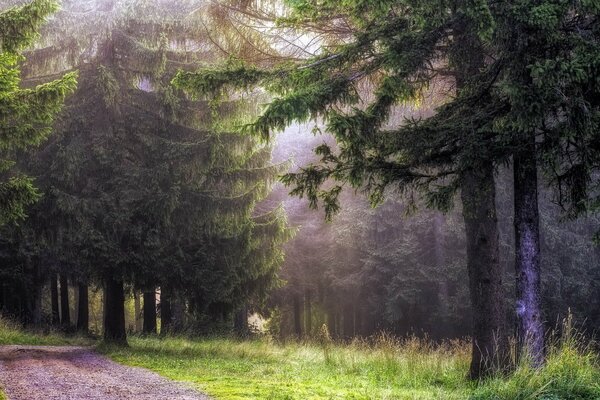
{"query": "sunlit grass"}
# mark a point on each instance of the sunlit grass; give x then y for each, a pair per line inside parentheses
(260, 369)
(386, 369)
(571, 372)
(382, 369)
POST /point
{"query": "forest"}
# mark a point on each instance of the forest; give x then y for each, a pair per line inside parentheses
(300, 199)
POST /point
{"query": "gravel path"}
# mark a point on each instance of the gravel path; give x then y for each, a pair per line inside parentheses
(78, 373)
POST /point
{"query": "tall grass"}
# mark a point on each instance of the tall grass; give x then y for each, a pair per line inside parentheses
(381, 368)
(12, 333)
(385, 368)
(571, 372)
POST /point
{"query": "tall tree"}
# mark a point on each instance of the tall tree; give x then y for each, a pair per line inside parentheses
(149, 312)
(150, 189)
(400, 57)
(26, 115)
(403, 46)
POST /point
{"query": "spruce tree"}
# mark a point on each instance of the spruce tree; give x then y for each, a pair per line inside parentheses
(149, 190)
(397, 48)
(402, 47)
(26, 114)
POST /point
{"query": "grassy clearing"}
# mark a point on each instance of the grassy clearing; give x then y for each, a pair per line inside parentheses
(389, 369)
(260, 369)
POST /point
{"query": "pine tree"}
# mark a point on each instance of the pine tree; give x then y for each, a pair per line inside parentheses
(398, 51)
(147, 189)
(26, 115)
(402, 48)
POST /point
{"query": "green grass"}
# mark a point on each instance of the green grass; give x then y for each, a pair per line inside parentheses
(11, 333)
(260, 369)
(230, 369)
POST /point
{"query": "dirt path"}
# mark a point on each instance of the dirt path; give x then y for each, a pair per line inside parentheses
(77, 373)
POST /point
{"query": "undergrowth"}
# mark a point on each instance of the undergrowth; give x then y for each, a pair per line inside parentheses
(383, 368)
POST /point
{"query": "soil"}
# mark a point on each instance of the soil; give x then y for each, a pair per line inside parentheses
(78, 373)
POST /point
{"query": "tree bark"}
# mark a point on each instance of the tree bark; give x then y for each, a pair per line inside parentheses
(331, 327)
(150, 312)
(137, 309)
(166, 315)
(490, 342)
(297, 316)
(65, 313)
(54, 299)
(83, 312)
(240, 322)
(36, 317)
(114, 311)
(527, 255)
(308, 311)
(348, 317)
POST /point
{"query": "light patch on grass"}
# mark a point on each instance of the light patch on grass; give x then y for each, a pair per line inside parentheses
(230, 370)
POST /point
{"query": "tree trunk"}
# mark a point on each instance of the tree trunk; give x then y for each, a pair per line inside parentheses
(331, 324)
(83, 312)
(178, 314)
(308, 312)
(150, 312)
(240, 322)
(297, 316)
(54, 299)
(2, 297)
(166, 316)
(114, 311)
(137, 309)
(527, 255)
(348, 328)
(490, 342)
(65, 313)
(36, 317)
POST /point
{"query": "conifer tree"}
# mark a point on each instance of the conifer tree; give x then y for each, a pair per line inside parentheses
(26, 114)
(402, 47)
(148, 190)
(398, 51)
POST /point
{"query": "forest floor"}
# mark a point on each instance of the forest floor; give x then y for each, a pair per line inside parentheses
(79, 373)
(382, 369)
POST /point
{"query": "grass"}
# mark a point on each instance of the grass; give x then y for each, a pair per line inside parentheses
(11, 333)
(386, 369)
(231, 369)
(260, 369)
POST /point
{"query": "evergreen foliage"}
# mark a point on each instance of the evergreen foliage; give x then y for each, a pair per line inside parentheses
(141, 187)
(26, 114)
